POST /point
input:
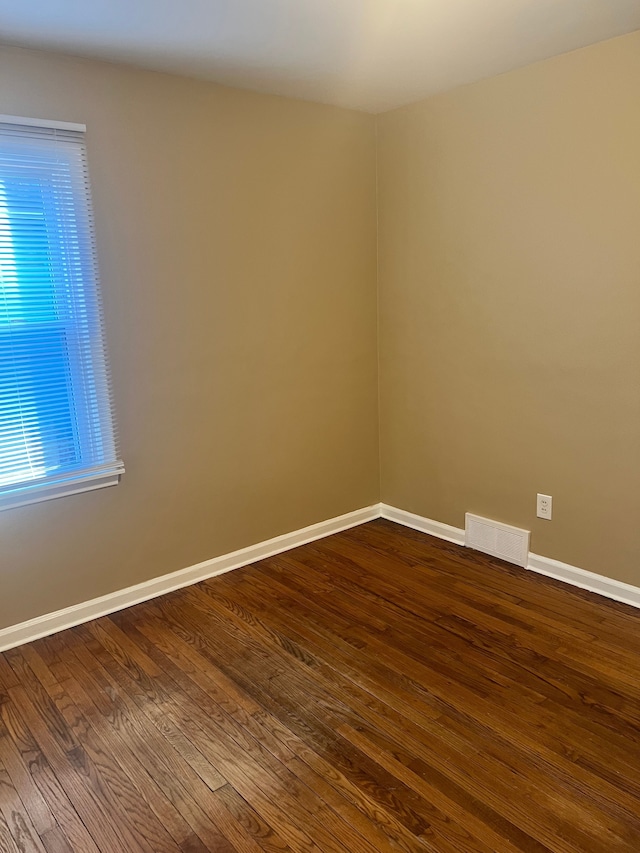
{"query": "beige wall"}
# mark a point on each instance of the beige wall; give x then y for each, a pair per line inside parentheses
(509, 249)
(236, 237)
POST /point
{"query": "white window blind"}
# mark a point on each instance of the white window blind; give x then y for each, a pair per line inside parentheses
(57, 433)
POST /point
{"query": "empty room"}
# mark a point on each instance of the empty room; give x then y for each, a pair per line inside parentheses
(319, 426)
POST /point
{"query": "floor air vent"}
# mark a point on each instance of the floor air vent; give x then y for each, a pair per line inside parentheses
(499, 540)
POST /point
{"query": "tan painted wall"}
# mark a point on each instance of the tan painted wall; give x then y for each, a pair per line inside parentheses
(510, 304)
(237, 249)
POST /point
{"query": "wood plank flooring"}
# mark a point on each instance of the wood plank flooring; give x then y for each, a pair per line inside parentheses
(378, 690)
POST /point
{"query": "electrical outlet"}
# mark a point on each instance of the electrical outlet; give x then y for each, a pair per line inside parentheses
(544, 506)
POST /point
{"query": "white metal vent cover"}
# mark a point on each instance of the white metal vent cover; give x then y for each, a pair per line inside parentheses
(500, 540)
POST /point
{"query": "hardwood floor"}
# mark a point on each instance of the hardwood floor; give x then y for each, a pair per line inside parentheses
(378, 690)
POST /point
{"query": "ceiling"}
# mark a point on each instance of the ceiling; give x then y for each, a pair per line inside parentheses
(368, 54)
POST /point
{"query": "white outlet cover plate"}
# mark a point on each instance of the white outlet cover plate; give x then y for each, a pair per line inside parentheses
(544, 507)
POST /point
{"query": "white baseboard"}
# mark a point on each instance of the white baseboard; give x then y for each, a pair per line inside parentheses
(608, 587)
(424, 525)
(51, 623)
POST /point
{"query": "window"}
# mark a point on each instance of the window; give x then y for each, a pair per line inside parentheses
(57, 433)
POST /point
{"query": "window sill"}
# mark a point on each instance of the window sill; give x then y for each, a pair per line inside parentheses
(31, 494)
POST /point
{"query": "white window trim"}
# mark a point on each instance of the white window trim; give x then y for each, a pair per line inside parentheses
(89, 480)
(48, 491)
(43, 122)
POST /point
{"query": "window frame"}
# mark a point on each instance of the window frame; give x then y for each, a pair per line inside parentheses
(95, 436)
